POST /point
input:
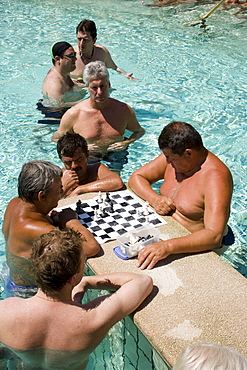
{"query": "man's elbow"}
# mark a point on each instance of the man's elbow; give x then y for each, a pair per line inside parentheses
(56, 137)
(93, 249)
(118, 183)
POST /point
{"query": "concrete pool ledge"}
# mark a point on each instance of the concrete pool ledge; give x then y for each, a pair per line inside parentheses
(197, 298)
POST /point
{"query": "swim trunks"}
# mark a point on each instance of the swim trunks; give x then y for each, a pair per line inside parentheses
(13, 290)
(228, 238)
(52, 115)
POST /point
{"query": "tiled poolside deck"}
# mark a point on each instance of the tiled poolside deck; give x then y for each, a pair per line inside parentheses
(197, 298)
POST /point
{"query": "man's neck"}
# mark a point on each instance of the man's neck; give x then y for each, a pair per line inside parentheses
(201, 158)
(63, 296)
(98, 105)
(86, 57)
(59, 71)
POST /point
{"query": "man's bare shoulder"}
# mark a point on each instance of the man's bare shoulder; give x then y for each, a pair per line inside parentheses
(75, 110)
(100, 50)
(214, 164)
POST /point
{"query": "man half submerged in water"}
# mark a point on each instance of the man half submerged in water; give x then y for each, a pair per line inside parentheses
(59, 91)
(53, 329)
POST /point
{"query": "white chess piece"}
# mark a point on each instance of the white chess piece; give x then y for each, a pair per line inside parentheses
(100, 200)
(146, 211)
(96, 216)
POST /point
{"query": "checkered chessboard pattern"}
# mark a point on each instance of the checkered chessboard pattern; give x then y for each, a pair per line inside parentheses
(125, 212)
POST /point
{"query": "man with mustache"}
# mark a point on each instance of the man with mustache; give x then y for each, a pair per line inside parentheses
(79, 176)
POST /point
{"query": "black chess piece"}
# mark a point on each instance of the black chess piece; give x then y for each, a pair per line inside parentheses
(107, 197)
(79, 208)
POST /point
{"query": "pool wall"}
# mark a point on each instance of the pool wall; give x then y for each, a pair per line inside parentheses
(197, 298)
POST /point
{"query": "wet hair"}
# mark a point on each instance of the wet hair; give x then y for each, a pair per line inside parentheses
(94, 70)
(36, 176)
(179, 136)
(87, 26)
(69, 143)
(56, 257)
(58, 49)
(210, 357)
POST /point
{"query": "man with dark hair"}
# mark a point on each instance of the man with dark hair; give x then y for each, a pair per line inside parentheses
(58, 88)
(27, 217)
(197, 192)
(53, 329)
(88, 51)
(79, 176)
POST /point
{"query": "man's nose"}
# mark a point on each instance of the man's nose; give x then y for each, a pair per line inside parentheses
(73, 165)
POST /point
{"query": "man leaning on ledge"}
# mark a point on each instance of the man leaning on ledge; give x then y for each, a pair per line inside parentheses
(196, 192)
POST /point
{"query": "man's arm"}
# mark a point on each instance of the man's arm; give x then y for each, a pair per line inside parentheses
(217, 197)
(110, 64)
(131, 288)
(66, 124)
(133, 126)
(106, 180)
(141, 180)
(69, 218)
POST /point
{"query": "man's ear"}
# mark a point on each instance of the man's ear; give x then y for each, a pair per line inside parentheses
(41, 196)
(189, 152)
(94, 40)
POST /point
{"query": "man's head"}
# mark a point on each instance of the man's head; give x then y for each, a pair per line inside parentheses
(96, 78)
(87, 26)
(182, 146)
(62, 51)
(57, 257)
(38, 178)
(72, 149)
(210, 356)
(179, 136)
(86, 34)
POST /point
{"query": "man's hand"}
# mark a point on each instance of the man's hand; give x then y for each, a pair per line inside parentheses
(151, 254)
(163, 205)
(66, 215)
(119, 145)
(79, 291)
(129, 76)
(70, 181)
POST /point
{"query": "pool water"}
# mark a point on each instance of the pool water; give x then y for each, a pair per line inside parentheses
(183, 74)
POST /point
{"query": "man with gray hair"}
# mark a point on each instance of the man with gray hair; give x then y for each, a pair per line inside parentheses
(101, 120)
(27, 218)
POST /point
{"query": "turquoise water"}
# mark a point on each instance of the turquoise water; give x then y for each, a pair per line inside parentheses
(184, 74)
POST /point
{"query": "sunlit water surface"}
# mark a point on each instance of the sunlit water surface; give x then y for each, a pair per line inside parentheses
(184, 74)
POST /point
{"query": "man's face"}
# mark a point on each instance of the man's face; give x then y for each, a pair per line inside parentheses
(55, 193)
(77, 163)
(68, 60)
(85, 42)
(181, 163)
(99, 90)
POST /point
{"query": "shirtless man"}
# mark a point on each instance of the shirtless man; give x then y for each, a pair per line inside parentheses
(27, 217)
(58, 88)
(53, 329)
(101, 120)
(197, 192)
(87, 51)
(78, 176)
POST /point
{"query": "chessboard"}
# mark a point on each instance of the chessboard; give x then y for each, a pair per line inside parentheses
(110, 215)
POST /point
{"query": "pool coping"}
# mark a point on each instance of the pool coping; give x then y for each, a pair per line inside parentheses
(197, 298)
